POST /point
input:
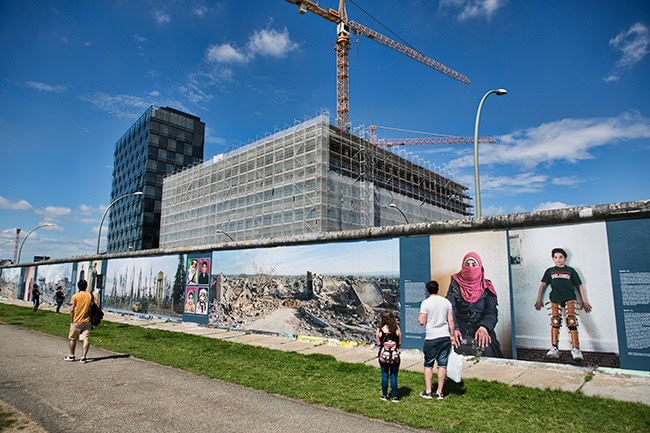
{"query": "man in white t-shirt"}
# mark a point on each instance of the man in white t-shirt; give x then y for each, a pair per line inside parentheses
(437, 315)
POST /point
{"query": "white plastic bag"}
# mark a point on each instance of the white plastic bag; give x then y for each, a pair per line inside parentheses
(454, 366)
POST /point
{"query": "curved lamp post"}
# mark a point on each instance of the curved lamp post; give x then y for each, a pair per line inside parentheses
(477, 187)
(394, 206)
(20, 250)
(225, 234)
(99, 235)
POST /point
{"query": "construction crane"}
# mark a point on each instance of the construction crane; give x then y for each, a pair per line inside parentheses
(438, 139)
(343, 29)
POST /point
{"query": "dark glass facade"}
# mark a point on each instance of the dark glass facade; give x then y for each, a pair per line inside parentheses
(162, 141)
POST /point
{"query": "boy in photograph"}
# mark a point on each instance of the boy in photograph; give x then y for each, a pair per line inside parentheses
(563, 280)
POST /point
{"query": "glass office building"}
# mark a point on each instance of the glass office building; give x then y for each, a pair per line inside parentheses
(162, 141)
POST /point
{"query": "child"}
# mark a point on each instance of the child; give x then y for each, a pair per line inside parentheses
(563, 280)
(389, 340)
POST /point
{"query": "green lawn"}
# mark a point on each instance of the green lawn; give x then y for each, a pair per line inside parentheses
(472, 406)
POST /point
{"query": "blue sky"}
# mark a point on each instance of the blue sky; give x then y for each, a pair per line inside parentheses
(573, 130)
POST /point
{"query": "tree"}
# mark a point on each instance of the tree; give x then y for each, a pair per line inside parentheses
(178, 292)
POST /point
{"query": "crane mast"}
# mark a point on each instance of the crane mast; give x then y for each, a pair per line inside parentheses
(343, 29)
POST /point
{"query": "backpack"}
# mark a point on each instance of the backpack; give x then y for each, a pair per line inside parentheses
(389, 352)
(96, 314)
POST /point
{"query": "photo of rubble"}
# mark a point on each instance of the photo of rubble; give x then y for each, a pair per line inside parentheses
(334, 290)
(9, 282)
(49, 277)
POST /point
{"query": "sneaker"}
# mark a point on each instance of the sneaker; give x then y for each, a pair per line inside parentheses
(69, 358)
(427, 395)
(384, 397)
(396, 399)
(576, 354)
(554, 353)
(439, 396)
(83, 360)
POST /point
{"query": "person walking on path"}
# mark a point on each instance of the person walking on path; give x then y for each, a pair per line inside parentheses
(437, 315)
(389, 340)
(80, 321)
(59, 297)
(36, 298)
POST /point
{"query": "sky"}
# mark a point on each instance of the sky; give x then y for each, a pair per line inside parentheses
(573, 130)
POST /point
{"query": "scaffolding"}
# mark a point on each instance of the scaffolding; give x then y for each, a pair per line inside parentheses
(309, 178)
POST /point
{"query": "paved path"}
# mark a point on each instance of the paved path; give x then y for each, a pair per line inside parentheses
(114, 394)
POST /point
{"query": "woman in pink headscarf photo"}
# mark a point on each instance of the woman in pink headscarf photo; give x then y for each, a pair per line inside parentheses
(474, 301)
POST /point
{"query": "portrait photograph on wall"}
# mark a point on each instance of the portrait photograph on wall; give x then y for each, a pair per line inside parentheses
(584, 258)
(480, 300)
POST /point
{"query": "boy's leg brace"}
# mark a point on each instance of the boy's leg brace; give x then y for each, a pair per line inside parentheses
(556, 323)
(572, 323)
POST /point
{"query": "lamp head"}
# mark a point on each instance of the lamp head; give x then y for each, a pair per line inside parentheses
(501, 92)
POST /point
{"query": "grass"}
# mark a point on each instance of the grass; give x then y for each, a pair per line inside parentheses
(6, 420)
(472, 406)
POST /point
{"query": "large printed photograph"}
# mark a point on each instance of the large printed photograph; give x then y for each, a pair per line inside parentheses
(584, 257)
(455, 258)
(146, 285)
(336, 290)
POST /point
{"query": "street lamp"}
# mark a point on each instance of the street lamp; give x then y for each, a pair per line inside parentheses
(394, 206)
(225, 234)
(20, 250)
(477, 187)
(99, 235)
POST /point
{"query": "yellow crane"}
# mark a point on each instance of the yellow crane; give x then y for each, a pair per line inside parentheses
(344, 27)
(435, 139)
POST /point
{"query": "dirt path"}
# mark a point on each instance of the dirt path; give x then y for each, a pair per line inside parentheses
(283, 320)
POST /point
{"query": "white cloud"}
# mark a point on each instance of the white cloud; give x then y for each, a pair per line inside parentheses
(469, 9)
(54, 212)
(517, 184)
(200, 10)
(14, 205)
(270, 42)
(122, 106)
(633, 44)
(45, 87)
(551, 205)
(162, 17)
(493, 210)
(85, 209)
(265, 42)
(568, 140)
(225, 53)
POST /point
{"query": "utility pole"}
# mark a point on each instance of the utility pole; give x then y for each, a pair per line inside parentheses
(16, 246)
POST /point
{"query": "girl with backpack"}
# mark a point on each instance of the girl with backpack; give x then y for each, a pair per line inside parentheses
(389, 339)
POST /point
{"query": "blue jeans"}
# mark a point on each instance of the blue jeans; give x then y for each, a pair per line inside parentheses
(389, 370)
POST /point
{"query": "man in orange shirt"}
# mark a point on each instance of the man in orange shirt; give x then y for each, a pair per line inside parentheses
(80, 321)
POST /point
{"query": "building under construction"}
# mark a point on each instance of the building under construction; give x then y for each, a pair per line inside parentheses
(312, 177)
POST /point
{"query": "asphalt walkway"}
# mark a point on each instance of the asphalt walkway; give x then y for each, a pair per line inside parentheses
(118, 394)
